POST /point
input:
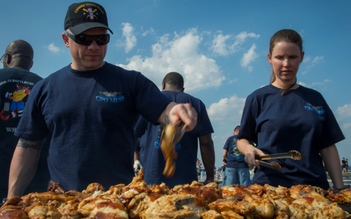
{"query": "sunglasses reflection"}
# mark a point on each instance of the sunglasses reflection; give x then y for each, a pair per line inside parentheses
(84, 39)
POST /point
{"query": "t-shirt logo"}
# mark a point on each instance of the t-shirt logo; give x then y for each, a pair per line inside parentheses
(157, 143)
(14, 102)
(316, 109)
(110, 97)
(234, 152)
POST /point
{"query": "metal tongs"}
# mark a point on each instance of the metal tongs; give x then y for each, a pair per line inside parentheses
(293, 154)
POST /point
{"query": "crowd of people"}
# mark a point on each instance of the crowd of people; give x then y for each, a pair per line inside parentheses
(219, 173)
(107, 122)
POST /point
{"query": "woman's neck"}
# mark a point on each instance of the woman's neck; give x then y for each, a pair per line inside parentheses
(285, 86)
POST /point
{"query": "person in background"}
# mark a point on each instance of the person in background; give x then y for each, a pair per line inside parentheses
(16, 82)
(237, 170)
(88, 110)
(222, 172)
(137, 165)
(153, 161)
(286, 116)
(347, 165)
(343, 165)
(199, 167)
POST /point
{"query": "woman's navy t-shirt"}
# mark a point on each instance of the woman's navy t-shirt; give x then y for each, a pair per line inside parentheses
(299, 120)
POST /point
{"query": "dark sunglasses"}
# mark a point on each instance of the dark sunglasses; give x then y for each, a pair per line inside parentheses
(83, 39)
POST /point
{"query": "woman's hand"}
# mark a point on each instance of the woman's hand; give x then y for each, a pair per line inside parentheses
(250, 152)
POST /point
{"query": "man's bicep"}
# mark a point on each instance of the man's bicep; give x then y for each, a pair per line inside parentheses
(224, 153)
(206, 139)
(30, 144)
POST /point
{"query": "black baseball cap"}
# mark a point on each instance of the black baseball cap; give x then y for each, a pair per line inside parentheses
(84, 16)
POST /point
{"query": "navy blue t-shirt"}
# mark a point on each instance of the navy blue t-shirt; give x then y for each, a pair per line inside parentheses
(15, 88)
(235, 159)
(151, 156)
(90, 119)
(299, 120)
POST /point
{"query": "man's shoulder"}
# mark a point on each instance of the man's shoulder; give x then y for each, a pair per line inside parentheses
(119, 69)
(35, 75)
(16, 73)
(188, 98)
(231, 137)
(267, 89)
(192, 97)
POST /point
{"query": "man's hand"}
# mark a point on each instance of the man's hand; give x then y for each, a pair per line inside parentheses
(137, 166)
(183, 112)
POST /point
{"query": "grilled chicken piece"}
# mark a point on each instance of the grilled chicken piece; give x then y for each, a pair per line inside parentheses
(171, 135)
(342, 197)
(100, 205)
(168, 149)
(174, 206)
(207, 193)
(211, 214)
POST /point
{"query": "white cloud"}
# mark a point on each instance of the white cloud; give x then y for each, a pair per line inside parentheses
(344, 111)
(130, 39)
(147, 32)
(320, 85)
(344, 117)
(219, 45)
(227, 110)
(317, 60)
(53, 49)
(179, 54)
(311, 62)
(227, 44)
(249, 57)
(241, 37)
(224, 115)
(346, 126)
(306, 59)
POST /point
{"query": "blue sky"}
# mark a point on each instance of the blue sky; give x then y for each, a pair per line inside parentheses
(220, 47)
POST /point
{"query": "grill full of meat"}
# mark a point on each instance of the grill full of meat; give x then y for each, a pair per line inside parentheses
(195, 200)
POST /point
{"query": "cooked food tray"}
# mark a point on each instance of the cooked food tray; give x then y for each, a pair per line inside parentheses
(195, 200)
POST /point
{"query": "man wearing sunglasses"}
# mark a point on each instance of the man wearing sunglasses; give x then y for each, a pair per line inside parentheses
(16, 82)
(87, 110)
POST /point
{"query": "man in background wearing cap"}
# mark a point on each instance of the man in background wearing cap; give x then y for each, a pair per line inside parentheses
(88, 110)
(151, 156)
(16, 82)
